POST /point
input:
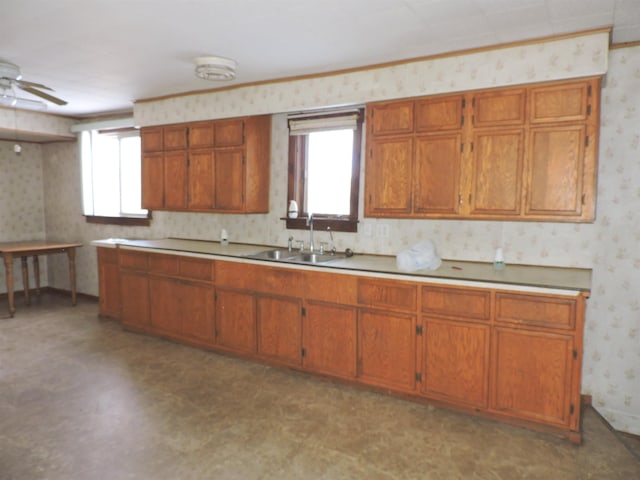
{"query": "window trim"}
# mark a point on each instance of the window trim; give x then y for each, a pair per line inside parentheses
(296, 182)
(122, 221)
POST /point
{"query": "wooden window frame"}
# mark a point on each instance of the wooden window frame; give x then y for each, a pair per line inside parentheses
(297, 184)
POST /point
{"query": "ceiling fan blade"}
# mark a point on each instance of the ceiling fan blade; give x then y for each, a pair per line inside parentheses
(24, 83)
(40, 94)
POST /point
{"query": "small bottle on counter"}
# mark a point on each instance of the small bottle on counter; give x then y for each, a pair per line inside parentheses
(293, 209)
(224, 237)
(498, 261)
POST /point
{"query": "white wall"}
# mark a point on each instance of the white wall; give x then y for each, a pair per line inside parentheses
(609, 246)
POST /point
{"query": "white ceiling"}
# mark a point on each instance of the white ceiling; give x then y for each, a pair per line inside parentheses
(102, 55)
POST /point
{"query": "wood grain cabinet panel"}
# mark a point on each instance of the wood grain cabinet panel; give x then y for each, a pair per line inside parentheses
(279, 329)
(229, 186)
(198, 312)
(499, 108)
(533, 310)
(467, 304)
(152, 180)
(134, 289)
(109, 282)
(387, 349)
(533, 376)
(235, 320)
(175, 137)
(389, 171)
(456, 362)
(565, 102)
(391, 118)
(175, 179)
(498, 158)
(437, 174)
(329, 339)
(151, 139)
(201, 135)
(439, 113)
(393, 295)
(202, 179)
(229, 133)
(165, 310)
(555, 171)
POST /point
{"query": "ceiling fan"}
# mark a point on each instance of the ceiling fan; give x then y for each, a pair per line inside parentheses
(11, 78)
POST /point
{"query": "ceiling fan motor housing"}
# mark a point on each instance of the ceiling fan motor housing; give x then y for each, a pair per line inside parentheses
(9, 71)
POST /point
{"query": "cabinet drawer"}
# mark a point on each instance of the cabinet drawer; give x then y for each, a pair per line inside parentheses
(278, 281)
(470, 304)
(134, 260)
(394, 295)
(196, 269)
(332, 288)
(183, 267)
(553, 312)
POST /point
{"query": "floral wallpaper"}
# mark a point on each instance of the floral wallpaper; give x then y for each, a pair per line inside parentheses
(35, 122)
(21, 202)
(611, 368)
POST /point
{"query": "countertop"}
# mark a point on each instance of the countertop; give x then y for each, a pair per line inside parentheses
(524, 277)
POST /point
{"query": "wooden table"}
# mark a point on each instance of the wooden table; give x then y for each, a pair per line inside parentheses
(24, 250)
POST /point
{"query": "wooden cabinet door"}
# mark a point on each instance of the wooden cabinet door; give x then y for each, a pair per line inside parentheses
(388, 174)
(437, 174)
(555, 171)
(393, 118)
(387, 349)
(456, 361)
(151, 139)
(134, 293)
(175, 180)
(201, 135)
(235, 320)
(165, 310)
(229, 133)
(439, 113)
(279, 329)
(329, 339)
(502, 107)
(175, 137)
(565, 102)
(152, 180)
(201, 179)
(532, 375)
(229, 179)
(197, 309)
(496, 185)
(109, 282)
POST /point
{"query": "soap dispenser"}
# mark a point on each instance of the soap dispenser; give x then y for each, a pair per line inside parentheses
(498, 261)
(224, 237)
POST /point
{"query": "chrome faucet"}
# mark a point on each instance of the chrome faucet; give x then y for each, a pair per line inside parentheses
(310, 225)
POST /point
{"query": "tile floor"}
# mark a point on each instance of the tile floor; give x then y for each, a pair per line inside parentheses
(82, 399)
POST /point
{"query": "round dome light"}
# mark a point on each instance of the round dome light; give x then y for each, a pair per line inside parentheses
(215, 68)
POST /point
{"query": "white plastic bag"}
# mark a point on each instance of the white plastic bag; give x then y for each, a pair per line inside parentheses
(422, 256)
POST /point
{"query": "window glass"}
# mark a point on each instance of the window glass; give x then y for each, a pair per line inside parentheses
(111, 169)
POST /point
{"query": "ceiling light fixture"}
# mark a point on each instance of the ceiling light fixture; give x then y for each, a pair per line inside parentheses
(215, 68)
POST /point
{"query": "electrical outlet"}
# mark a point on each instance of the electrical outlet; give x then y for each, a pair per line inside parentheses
(382, 230)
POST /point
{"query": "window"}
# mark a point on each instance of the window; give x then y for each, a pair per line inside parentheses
(111, 182)
(324, 169)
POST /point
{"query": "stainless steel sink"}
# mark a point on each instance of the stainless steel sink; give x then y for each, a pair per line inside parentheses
(277, 254)
(284, 255)
(314, 258)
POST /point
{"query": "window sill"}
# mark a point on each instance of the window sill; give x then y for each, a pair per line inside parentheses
(124, 221)
(320, 224)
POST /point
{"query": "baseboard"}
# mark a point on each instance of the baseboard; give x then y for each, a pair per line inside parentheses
(620, 421)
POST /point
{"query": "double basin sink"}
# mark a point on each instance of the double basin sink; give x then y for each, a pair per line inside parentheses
(284, 255)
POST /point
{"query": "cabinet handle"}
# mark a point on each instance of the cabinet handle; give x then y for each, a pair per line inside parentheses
(459, 199)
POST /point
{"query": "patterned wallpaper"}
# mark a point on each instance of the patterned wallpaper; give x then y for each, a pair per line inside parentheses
(609, 246)
(35, 122)
(21, 202)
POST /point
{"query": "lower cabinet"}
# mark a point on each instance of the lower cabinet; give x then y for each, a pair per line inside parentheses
(135, 299)
(109, 282)
(387, 349)
(456, 361)
(279, 329)
(532, 375)
(507, 354)
(329, 339)
(235, 320)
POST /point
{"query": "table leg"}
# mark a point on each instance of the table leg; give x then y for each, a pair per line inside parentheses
(71, 253)
(8, 268)
(36, 273)
(25, 279)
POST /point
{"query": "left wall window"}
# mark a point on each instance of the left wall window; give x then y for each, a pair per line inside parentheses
(111, 182)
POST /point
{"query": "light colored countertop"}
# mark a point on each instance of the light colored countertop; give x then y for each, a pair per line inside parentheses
(561, 280)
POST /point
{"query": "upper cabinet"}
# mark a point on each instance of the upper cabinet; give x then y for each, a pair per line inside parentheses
(524, 153)
(211, 166)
